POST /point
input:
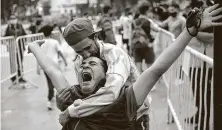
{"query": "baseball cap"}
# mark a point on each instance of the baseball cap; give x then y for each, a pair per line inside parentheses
(78, 30)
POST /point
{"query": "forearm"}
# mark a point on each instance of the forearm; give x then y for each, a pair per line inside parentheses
(170, 54)
(204, 36)
(103, 97)
(148, 78)
(45, 62)
(49, 67)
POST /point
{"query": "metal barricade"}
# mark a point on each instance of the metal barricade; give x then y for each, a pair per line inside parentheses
(27, 62)
(8, 58)
(189, 83)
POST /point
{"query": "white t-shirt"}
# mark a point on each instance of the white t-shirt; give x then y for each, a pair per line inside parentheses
(126, 27)
(51, 48)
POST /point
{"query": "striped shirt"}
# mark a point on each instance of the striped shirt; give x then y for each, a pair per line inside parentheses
(121, 71)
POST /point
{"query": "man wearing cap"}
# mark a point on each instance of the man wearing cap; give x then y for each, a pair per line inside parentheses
(105, 23)
(80, 35)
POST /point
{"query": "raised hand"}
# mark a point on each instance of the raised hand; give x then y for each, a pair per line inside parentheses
(211, 17)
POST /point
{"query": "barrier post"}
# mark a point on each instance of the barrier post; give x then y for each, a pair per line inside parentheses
(217, 75)
(9, 59)
(22, 42)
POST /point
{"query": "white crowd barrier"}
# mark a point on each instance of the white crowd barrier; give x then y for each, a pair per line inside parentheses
(15, 60)
(189, 83)
(27, 62)
(8, 58)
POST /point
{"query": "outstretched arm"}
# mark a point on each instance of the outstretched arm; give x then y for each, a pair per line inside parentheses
(48, 65)
(146, 81)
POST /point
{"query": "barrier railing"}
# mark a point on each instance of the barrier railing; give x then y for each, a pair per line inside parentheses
(27, 62)
(189, 83)
(8, 58)
(15, 61)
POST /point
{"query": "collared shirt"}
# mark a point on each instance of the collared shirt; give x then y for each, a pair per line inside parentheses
(121, 71)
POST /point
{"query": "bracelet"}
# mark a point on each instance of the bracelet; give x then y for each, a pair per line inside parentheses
(196, 27)
(194, 20)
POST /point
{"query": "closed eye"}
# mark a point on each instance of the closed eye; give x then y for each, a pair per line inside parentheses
(92, 63)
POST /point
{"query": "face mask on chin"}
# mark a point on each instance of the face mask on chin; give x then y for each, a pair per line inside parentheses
(13, 22)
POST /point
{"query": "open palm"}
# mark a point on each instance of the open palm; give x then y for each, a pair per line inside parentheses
(211, 17)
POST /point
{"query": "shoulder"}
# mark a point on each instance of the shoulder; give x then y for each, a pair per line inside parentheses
(110, 48)
(181, 18)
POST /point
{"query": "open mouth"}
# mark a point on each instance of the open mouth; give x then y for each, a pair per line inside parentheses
(86, 76)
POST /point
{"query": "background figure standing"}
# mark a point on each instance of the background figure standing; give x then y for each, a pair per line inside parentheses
(142, 47)
(52, 49)
(105, 23)
(16, 29)
(176, 22)
(127, 24)
(36, 24)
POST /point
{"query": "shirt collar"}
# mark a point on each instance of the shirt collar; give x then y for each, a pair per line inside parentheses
(101, 48)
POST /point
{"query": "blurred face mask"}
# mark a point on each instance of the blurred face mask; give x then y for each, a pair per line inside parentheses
(38, 22)
(173, 11)
(173, 14)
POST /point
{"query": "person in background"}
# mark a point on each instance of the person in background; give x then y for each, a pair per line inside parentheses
(105, 23)
(142, 47)
(16, 29)
(127, 24)
(52, 49)
(36, 24)
(176, 22)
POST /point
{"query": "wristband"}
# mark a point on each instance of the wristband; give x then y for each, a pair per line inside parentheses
(194, 20)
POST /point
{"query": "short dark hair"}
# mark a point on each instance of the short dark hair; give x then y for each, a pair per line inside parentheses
(106, 9)
(47, 30)
(144, 8)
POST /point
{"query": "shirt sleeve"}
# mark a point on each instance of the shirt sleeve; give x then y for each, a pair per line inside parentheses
(117, 74)
(131, 105)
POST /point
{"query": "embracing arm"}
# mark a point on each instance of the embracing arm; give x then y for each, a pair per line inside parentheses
(117, 74)
(146, 81)
(48, 65)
